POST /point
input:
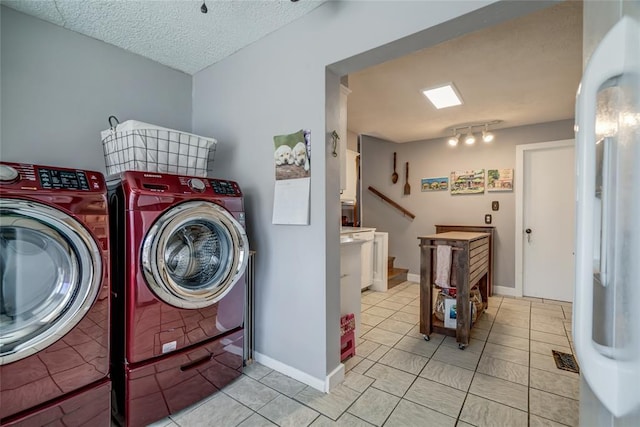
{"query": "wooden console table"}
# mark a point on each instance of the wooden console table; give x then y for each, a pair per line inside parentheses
(470, 265)
(476, 229)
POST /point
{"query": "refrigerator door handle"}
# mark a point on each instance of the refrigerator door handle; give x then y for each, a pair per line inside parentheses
(604, 163)
(615, 382)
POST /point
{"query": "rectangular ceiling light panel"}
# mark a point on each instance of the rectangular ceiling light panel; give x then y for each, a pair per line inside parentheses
(443, 96)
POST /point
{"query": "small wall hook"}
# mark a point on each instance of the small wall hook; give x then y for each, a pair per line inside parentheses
(335, 137)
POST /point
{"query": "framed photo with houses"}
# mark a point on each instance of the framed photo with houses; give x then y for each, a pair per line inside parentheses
(467, 182)
(434, 184)
(500, 180)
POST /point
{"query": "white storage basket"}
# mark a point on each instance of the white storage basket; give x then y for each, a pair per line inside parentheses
(140, 146)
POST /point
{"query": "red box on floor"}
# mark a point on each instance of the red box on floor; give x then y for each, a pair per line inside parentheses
(347, 336)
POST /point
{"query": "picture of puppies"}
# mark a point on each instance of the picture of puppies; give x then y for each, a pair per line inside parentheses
(283, 155)
(292, 156)
(299, 155)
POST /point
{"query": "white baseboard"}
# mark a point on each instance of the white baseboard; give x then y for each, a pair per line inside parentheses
(333, 379)
(504, 291)
(413, 277)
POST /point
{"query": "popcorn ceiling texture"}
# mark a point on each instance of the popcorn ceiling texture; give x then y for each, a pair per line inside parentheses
(172, 32)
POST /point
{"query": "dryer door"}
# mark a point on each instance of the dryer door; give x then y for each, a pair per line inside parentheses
(50, 275)
(194, 254)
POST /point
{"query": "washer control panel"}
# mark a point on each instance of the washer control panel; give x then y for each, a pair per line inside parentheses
(34, 177)
(225, 188)
(63, 179)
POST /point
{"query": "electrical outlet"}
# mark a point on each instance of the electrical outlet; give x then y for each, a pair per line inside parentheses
(487, 219)
(495, 205)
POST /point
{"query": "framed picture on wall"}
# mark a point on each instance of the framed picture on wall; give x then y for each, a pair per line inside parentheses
(467, 182)
(500, 180)
(434, 184)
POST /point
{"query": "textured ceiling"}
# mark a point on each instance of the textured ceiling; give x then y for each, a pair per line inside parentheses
(172, 32)
(522, 72)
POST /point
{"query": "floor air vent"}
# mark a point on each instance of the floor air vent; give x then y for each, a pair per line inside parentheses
(565, 361)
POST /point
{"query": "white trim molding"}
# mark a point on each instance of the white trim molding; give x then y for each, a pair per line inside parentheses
(324, 385)
(334, 378)
(413, 278)
(505, 291)
(519, 193)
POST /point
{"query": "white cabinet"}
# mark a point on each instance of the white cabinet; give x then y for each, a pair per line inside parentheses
(350, 266)
(366, 272)
(342, 133)
(380, 261)
(366, 235)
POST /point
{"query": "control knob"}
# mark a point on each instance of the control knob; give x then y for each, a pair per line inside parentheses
(8, 174)
(196, 185)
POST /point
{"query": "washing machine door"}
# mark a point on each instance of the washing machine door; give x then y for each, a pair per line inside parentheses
(194, 254)
(50, 275)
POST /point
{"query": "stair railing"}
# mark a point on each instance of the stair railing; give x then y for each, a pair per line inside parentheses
(392, 203)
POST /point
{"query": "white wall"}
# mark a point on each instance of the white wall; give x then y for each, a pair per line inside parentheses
(435, 158)
(59, 87)
(277, 85)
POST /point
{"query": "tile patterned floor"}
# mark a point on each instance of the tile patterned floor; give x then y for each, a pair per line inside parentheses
(505, 377)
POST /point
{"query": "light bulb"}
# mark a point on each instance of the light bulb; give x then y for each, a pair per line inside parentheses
(469, 139)
(453, 141)
(487, 136)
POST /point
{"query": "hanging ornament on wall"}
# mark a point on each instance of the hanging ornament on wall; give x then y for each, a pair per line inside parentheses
(204, 8)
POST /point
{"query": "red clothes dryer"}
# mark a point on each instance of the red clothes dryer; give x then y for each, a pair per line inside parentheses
(54, 296)
(180, 253)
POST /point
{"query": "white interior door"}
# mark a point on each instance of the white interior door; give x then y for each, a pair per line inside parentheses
(548, 221)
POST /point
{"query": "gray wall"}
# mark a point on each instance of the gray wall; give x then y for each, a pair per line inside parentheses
(435, 158)
(280, 85)
(59, 87)
(352, 139)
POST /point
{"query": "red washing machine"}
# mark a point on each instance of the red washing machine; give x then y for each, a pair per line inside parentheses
(180, 253)
(54, 297)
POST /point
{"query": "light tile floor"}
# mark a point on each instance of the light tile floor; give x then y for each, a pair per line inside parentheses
(505, 377)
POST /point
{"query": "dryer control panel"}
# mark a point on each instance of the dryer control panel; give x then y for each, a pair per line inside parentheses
(225, 188)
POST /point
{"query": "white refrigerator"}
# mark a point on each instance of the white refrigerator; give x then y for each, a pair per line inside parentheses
(606, 313)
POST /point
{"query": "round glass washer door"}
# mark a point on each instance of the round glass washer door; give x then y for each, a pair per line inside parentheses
(194, 254)
(50, 276)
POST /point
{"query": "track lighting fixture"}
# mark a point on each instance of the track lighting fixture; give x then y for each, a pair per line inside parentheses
(453, 141)
(470, 138)
(486, 135)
